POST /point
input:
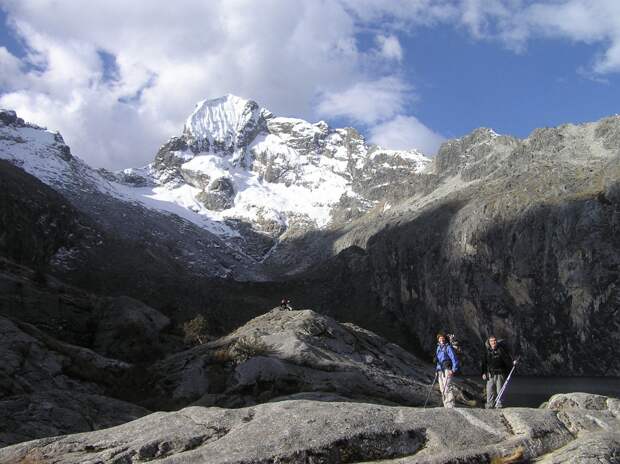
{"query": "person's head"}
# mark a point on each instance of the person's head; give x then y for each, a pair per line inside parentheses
(441, 338)
(283, 301)
(493, 342)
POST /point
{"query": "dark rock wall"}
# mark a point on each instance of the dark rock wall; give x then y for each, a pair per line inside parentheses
(546, 280)
(35, 221)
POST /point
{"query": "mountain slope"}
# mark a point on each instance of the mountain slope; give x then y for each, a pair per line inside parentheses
(515, 237)
(496, 234)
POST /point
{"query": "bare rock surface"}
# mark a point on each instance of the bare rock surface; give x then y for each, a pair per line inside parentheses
(284, 353)
(49, 387)
(303, 431)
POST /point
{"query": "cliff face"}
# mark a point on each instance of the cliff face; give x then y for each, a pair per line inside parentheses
(517, 238)
(547, 280)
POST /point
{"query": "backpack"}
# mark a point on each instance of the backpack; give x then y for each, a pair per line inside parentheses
(456, 345)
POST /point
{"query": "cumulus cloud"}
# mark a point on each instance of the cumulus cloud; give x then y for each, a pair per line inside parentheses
(9, 69)
(166, 58)
(581, 21)
(297, 58)
(406, 132)
(367, 102)
(515, 22)
(389, 47)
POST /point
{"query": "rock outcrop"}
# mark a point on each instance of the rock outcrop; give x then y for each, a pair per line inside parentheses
(295, 354)
(48, 387)
(74, 362)
(302, 431)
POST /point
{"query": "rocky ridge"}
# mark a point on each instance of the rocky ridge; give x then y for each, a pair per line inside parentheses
(572, 428)
(83, 362)
(298, 354)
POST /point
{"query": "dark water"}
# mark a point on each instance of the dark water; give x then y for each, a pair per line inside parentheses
(532, 391)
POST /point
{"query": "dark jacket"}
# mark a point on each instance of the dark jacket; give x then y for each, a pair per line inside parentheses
(497, 361)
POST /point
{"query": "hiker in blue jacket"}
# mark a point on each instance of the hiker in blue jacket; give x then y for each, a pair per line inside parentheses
(447, 364)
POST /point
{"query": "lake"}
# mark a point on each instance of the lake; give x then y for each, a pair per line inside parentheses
(526, 391)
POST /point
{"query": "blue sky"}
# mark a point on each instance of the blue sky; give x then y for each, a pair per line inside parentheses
(118, 79)
(484, 84)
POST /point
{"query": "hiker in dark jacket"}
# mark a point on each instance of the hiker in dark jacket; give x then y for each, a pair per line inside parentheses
(496, 362)
(447, 364)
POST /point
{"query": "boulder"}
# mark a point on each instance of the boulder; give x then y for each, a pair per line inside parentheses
(219, 195)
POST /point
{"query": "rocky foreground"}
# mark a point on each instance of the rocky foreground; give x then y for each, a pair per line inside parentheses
(61, 384)
(571, 428)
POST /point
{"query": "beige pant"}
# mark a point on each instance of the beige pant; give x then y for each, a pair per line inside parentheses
(445, 386)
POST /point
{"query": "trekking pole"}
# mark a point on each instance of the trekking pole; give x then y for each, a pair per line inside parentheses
(430, 389)
(501, 391)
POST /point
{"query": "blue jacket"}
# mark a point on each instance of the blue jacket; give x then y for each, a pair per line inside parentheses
(445, 353)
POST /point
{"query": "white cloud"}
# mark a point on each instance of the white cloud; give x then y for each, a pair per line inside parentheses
(168, 56)
(9, 69)
(404, 133)
(389, 47)
(582, 21)
(367, 102)
(511, 22)
(515, 22)
(404, 13)
(297, 58)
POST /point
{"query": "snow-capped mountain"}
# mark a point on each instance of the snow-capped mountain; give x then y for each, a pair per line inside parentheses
(237, 161)
(247, 178)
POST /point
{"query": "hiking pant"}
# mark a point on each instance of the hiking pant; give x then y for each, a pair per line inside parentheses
(494, 385)
(445, 386)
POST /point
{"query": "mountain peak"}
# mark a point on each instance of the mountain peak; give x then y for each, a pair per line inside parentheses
(220, 124)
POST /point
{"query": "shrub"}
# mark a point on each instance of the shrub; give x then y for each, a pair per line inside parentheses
(33, 457)
(222, 356)
(195, 330)
(249, 347)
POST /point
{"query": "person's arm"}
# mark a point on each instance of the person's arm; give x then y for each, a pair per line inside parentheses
(483, 364)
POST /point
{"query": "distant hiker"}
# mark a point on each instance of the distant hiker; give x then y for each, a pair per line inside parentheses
(447, 364)
(285, 305)
(496, 363)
